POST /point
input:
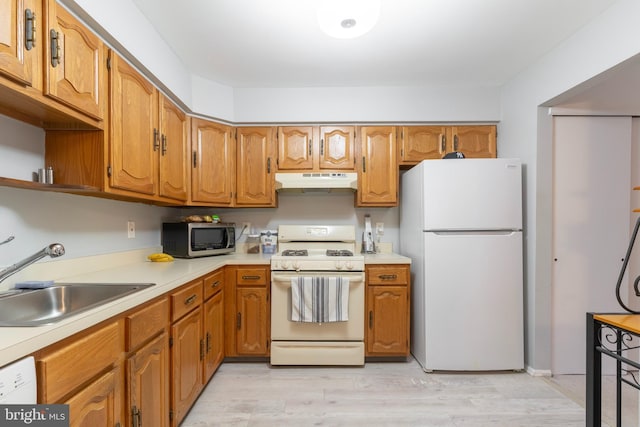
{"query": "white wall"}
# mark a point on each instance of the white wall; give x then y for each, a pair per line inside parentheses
(607, 41)
(367, 104)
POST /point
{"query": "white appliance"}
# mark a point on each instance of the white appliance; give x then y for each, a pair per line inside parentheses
(18, 383)
(316, 250)
(461, 225)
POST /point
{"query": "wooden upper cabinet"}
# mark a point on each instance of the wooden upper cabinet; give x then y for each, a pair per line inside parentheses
(419, 143)
(255, 167)
(134, 136)
(305, 148)
(378, 168)
(295, 148)
(74, 69)
(21, 41)
(213, 163)
(174, 151)
(337, 144)
(475, 141)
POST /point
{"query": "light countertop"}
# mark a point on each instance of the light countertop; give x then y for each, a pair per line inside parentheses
(17, 342)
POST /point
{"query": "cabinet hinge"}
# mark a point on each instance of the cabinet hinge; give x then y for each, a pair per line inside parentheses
(109, 171)
(170, 415)
(170, 342)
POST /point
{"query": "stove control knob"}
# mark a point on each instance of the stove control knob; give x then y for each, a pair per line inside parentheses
(339, 265)
(285, 264)
(296, 265)
(349, 265)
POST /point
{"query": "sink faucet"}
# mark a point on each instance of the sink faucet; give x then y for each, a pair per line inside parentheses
(54, 250)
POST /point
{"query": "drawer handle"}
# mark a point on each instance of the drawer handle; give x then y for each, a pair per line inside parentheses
(191, 299)
(250, 277)
(387, 276)
(215, 284)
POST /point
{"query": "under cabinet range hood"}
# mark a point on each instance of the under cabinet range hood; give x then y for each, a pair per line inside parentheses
(317, 181)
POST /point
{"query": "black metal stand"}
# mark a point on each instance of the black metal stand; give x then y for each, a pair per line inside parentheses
(615, 342)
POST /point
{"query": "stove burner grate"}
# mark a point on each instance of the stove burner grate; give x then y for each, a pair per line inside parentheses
(339, 252)
(295, 252)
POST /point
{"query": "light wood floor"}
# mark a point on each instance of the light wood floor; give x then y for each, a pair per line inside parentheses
(382, 394)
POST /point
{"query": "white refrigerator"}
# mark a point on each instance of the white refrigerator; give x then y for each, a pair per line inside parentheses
(461, 225)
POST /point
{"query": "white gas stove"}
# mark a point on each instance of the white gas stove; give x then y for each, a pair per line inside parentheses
(307, 252)
(317, 248)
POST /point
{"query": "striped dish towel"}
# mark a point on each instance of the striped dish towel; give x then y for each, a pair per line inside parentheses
(319, 299)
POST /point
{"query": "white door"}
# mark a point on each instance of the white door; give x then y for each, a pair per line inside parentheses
(591, 216)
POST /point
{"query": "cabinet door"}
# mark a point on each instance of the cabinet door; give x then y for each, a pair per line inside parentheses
(255, 168)
(251, 321)
(387, 321)
(213, 335)
(474, 141)
(186, 364)
(337, 147)
(174, 151)
(213, 163)
(134, 136)
(20, 57)
(378, 169)
(295, 148)
(98, 404)
(418, 143)
(74, 69)
(148, 379)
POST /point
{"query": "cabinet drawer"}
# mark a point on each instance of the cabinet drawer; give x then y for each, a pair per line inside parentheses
(251, 276)
(387, 275)
(61, 371)
(213, 283)
(185, 300)
(145, 323)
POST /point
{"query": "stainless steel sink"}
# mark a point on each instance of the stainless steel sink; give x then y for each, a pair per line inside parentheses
(50, 305)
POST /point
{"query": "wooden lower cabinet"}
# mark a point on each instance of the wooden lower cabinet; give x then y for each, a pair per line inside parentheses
(148, 384)
(98, 404)
(186, 364)
(213, 323)
(84, 371)
(147, 364)
(247, 319)
(387, 310)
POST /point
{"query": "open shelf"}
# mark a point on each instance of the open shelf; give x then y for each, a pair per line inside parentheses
(60, 188)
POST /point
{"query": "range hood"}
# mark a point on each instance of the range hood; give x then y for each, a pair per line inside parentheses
(316, 181)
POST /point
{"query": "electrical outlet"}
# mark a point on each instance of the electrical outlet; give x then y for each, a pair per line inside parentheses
(246, 228)
(380, 228)
(131, 229)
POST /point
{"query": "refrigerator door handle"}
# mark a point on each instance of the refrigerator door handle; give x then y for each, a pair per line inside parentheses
(474, 232)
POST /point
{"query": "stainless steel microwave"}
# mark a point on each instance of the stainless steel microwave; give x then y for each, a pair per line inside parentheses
(196, 239)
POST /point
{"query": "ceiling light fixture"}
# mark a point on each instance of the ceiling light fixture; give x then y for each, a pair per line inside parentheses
(347, 19)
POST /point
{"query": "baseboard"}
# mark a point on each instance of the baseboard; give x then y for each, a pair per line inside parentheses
(538, 372)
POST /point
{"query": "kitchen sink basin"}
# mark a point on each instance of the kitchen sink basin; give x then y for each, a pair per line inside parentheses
(50, 305)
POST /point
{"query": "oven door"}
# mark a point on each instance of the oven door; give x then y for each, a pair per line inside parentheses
(283, 329)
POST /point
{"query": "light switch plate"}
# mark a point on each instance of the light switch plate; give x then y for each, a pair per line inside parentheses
(380, 228)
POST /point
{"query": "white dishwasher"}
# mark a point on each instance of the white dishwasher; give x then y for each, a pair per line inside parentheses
(18, 383)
